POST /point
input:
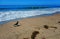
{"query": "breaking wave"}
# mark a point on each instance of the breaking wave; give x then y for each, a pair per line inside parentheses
(9, 15)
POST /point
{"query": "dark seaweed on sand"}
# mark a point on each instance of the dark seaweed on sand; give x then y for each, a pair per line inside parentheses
(58, 21)
(25, 38)
(34, 34)
(54, 27)
(46, 26)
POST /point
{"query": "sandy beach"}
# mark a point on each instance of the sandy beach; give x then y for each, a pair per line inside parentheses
(46, 27)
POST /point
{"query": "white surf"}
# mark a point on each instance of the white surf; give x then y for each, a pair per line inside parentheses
(10, 15)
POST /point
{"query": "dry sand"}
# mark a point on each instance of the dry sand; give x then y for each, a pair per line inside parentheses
(29, 25)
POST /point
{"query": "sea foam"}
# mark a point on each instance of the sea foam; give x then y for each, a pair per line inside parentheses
(10, 15)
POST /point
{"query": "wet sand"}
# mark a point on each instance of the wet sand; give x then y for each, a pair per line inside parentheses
(32, 28)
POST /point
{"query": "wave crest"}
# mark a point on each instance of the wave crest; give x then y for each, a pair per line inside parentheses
(9, 15)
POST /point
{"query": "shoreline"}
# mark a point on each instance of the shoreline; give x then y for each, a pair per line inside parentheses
(28, 26)
(43, 15)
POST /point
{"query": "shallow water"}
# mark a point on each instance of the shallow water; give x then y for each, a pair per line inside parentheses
(14, 14)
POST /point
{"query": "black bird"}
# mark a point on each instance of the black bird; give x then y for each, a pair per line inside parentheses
(16, 24)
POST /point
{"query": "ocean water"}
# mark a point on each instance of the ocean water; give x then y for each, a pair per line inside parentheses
(15, 14)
